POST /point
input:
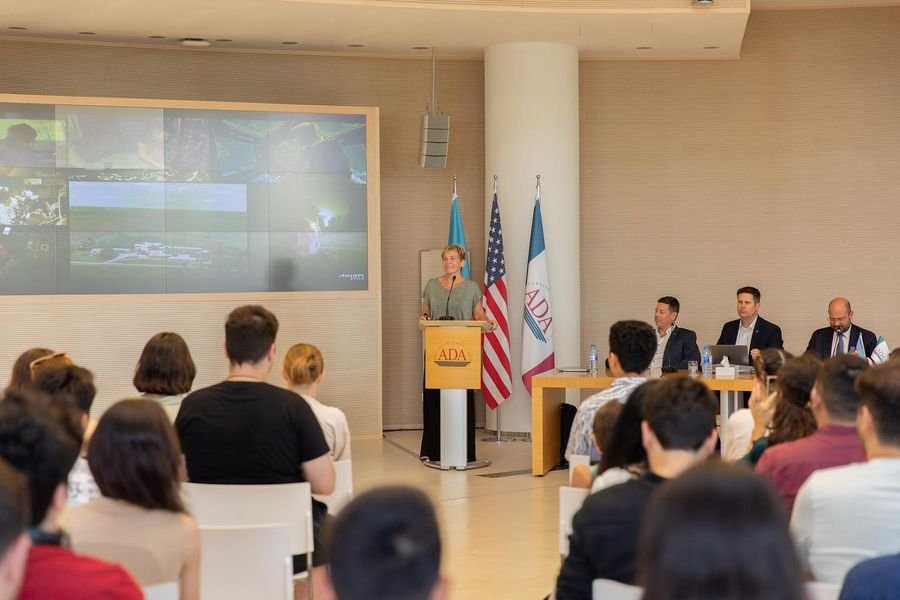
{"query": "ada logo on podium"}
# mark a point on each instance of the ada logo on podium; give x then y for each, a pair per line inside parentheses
(452, 355)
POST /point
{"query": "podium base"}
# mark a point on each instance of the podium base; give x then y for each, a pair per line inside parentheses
(475, 464)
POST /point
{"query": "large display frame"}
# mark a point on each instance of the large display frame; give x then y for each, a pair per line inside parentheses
(306, 224)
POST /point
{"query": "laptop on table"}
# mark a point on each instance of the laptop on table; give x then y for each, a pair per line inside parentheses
(738, 356)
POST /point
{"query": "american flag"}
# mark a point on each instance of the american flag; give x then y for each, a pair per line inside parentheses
(496, 374)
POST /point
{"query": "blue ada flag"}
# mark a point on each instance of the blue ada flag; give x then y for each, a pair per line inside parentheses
(457, 235)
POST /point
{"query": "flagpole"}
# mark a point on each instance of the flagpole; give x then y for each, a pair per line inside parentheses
(499, 439)
(454, 185)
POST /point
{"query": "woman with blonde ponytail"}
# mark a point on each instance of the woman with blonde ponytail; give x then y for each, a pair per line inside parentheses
(302, 372)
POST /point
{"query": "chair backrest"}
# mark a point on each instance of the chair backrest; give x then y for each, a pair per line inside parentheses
(215, 505)
(577, 459)
(570, 500)
(246, 562)
(343, 487)
(607, 589)
(162, 591)
(817, 590)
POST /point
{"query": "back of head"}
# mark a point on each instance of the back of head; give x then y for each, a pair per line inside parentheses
(35, 440)
(634, 344)
(769, 362)
(604, 422)
(249, 333)
(681, 412)
(134, 456)
(386, 545)
(625, 447)
(165, 366)
(73, 380)
(21, 371)
(717, 531)
(303, 364)
(51, 361)
(14, 506)
(835, 385)
(879, 392)
(793, 418)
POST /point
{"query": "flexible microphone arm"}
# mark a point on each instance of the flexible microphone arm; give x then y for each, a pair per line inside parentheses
(447, 316)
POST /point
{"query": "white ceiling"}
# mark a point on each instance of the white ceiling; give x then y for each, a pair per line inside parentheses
(672, 29)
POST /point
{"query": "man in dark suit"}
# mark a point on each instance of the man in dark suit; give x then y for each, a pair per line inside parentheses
(843, 335)
(751, 330)
(675, 345)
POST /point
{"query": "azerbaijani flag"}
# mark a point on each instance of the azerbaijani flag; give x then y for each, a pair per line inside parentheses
(457, 235)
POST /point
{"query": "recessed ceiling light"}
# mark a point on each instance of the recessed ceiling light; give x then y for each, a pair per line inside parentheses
(156, 37)
(643, 48)
(87, 33)
(290, 43)
(224, 40)
(356, 45)
(710, 47)
(421, 48)
(18, 28)
(195, 42)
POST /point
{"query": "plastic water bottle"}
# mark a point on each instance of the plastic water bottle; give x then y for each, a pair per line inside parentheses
(593, 360)
(707, 362)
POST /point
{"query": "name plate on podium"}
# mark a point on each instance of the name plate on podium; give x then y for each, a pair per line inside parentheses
(453, 353)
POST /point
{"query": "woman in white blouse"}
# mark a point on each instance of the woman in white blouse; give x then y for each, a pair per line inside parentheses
(302, 371)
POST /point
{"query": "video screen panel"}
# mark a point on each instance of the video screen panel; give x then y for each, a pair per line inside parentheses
(110, 200)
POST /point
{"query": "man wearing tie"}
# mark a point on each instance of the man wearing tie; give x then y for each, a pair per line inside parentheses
(842, 336)
(750, 330)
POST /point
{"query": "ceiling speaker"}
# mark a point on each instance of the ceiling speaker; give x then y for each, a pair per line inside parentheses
(435, 140)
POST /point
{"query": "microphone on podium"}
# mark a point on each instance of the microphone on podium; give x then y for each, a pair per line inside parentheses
(447, 316)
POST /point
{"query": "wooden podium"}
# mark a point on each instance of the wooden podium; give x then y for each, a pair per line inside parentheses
(453, 365)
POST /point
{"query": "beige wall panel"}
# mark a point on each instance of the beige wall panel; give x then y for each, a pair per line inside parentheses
(781, 170)
(415, 203)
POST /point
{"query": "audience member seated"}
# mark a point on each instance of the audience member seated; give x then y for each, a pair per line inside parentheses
(604, 421)
(302, 371)
(737, 432)
(246, 431)
(165, 371)
(386, 545)
(20, 378)
(835, 442)
(632, 345)
(36, 438)
(624, 456)
(140, 520)
(847, 514)
(14, 540)
(72, 383)
(873, 579)
(785, 416)
(717, 531)
(678, 431)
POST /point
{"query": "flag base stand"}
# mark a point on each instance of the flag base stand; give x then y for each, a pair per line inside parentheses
(475, 464)
(498, 439)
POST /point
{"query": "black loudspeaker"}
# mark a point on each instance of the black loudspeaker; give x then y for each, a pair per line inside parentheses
(435, 140)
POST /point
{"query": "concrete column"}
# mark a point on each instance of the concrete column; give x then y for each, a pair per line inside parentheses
(531, 128)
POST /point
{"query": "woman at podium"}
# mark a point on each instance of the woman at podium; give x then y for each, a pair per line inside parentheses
(449, 297)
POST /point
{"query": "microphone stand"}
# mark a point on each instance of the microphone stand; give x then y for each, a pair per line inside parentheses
(447, 316)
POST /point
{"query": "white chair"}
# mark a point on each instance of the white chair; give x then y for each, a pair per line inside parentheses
(607, 589)
(246, 562)
(343, 487)
(817, 590)
(570, 500)
(162, 591)
(215, 505)
(577, 459)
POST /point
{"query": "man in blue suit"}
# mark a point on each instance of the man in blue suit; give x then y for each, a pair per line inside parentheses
(751, 330)
(675, 345)
(842, 335)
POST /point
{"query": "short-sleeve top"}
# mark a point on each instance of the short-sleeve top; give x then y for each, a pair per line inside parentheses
(462, 302)
(245, 432)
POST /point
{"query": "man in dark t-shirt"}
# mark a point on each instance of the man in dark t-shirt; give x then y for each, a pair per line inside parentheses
(246, 431)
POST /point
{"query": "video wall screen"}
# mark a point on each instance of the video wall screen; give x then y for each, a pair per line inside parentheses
(117, 200)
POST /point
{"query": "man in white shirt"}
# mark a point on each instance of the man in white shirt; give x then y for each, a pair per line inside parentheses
(848, 514)
(750, 329)
(632, 345)
(675, 346)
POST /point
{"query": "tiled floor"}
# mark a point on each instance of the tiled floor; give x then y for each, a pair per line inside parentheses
(500, 534)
